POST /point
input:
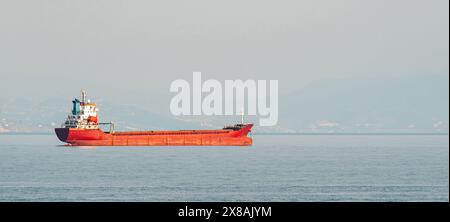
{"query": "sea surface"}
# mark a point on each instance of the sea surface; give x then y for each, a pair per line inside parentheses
(275, 168)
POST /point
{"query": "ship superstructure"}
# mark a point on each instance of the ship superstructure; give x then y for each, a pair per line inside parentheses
(83, 115)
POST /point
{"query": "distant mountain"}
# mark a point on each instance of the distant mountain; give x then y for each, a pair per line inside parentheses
(416, 103)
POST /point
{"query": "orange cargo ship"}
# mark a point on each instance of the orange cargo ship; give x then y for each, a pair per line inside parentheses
(81, 128)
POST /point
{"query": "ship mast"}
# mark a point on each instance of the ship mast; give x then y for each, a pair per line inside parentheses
(83, 96)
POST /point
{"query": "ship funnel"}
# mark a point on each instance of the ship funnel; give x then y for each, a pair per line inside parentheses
(76, 107)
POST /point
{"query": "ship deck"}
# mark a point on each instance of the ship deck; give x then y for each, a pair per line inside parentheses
(169, 132)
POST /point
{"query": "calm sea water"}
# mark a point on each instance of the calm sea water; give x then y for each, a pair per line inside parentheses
(276, 168)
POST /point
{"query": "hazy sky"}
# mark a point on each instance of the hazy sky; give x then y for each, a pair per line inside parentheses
(112, 47)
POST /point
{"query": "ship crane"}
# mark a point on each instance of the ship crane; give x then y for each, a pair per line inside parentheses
(111, 126)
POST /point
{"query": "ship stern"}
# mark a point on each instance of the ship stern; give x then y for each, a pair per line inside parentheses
(62, 134)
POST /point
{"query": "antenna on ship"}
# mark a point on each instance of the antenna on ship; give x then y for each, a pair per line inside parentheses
(242, 116)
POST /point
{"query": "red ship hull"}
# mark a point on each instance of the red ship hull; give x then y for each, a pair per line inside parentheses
(96, 137)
